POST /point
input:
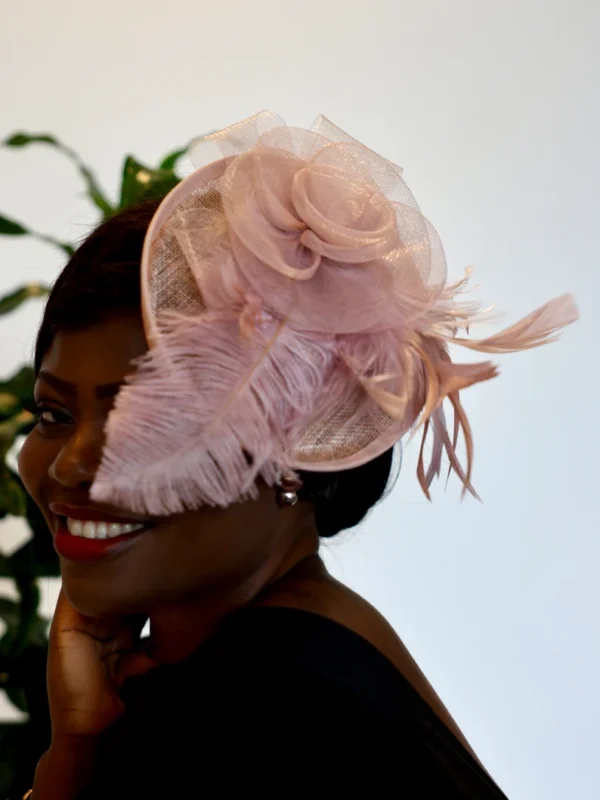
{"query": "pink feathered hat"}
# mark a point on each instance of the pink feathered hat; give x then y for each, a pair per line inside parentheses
(295, 303)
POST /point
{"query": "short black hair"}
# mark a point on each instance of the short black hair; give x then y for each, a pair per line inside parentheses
(102, 279)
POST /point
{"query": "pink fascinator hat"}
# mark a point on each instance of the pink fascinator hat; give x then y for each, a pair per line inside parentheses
(298, 318)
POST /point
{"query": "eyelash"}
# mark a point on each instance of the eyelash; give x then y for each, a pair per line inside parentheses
(60, 417)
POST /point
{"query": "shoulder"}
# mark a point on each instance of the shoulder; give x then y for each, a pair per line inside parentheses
(327, 597)
(284, 692)
(277, 663)
(285, 652)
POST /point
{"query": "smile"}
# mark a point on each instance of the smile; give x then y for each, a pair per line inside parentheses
(92, 529)
(92, 540)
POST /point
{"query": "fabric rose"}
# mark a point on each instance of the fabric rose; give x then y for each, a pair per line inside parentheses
(317, 239)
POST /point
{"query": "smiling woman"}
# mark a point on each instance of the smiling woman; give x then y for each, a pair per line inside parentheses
(80, 401)
(294, 302)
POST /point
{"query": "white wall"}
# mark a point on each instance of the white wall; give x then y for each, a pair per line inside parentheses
(492, 109)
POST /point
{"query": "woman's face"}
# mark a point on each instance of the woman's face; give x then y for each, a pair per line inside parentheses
(172, 558)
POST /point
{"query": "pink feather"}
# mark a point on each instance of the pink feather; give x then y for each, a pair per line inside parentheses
(167, 452)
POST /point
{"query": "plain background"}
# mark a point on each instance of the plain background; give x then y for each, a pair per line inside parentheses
(492, 109)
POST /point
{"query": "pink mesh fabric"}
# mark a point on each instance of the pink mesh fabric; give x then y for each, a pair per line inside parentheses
(296, 306)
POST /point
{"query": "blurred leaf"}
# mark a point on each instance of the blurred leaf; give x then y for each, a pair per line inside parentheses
(10, 429)
(13, 300)
(141, 183)
(20, 385)
(29, 630)
(16, 695)
(26, 626)
(41, 546)
(12, 496)
(94, 192)
(38, 551)
(9, 405)
(66, 247)
(9, 227)
(13, 745)
(23, 568)
(9, 611)
(168, 162)
(22, 139)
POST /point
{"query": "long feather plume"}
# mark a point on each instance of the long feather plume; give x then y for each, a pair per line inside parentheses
(251, 392)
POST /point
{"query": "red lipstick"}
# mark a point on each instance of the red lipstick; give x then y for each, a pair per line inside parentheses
(87, 550)
(78, 548)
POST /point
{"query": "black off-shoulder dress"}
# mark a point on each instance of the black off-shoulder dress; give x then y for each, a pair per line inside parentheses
(282, 703)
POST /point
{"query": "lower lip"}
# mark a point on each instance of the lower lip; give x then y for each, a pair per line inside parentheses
(79, 548)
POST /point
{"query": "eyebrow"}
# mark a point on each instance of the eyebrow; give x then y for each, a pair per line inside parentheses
(103, 390)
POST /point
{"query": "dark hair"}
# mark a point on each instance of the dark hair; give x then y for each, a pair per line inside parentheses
(102, 279)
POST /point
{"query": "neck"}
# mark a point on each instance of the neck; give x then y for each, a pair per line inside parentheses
(179, 629)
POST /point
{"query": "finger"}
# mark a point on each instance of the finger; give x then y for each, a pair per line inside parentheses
(67, 620)
(132, 664)
(126, 632)
(121, 665)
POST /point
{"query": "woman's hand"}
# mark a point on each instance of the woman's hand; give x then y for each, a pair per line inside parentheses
(88, 660)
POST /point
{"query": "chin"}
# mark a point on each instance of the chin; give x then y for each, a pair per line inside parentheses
(98, 601)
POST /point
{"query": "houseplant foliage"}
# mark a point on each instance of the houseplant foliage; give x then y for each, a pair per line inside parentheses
(23, 644)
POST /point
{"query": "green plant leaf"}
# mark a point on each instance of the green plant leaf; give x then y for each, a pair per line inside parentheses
(168, 162)
(12, 496)
(9, 430)
(20, 385)
(13, 300)
(41, 546)
(9, 405)
(31, 630)
(12, 499)
(94, 192)
(16, 695)
(66, 247)
(26, 626)
(141, 183)
(8, 227)
(9, 611)
(16, 396)
(21, 139)
(39, 550)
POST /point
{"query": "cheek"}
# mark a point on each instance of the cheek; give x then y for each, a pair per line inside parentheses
(35, 459)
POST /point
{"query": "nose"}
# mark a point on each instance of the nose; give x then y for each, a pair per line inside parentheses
(77, 461)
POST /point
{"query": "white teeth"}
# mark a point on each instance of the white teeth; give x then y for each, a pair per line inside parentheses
(100, 530)
(89, 530)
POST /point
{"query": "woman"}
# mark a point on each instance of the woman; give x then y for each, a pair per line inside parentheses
(294, 303)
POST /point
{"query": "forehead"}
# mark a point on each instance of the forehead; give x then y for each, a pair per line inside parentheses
(99, 354)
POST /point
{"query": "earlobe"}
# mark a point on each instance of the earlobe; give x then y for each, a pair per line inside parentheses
(287, 491)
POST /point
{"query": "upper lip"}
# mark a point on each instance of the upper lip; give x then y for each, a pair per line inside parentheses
(92, 513)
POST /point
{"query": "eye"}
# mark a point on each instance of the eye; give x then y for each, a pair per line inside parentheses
(49, 417)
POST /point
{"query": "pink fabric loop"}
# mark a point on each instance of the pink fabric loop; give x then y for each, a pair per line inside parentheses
(359, 229)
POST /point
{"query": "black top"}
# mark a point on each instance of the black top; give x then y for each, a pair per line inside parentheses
(278, 703)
